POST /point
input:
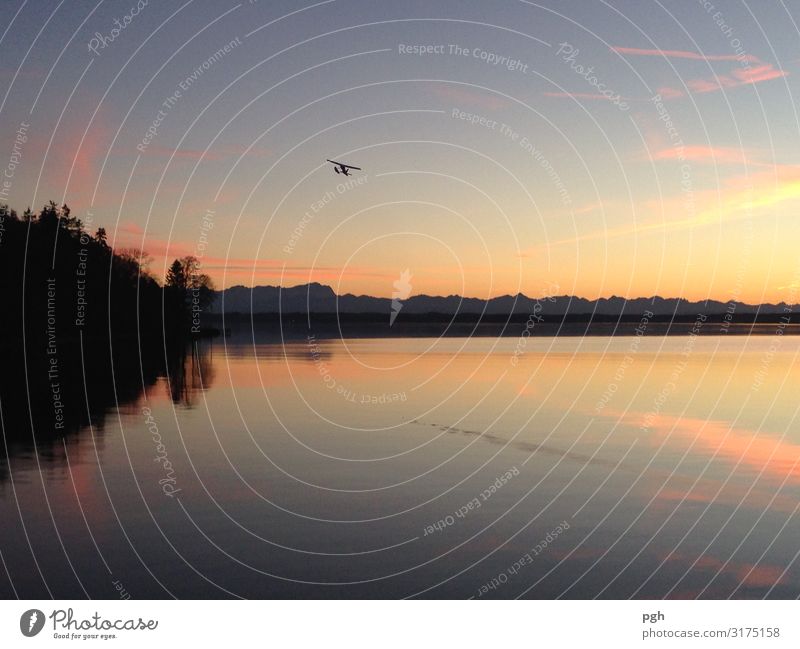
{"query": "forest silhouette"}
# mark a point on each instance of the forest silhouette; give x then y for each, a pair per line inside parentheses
(87, 328)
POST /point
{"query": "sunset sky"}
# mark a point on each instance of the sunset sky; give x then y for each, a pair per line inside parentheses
(492, 161)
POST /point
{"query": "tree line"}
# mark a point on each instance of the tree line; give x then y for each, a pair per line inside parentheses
(103, 292)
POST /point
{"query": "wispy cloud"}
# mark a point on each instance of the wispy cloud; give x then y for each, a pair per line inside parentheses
(236, 269)
(738, 77)
(683, 54)
(746, 574)
(751, 70)
(668, 92)
(738, 197)
(77, 158)
(707, 154)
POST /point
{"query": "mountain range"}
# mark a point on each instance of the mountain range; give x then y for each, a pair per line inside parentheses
(320, 298)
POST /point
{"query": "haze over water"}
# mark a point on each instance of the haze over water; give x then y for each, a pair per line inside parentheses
(575, 467)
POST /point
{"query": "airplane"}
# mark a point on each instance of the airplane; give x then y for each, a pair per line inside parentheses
(341, 168)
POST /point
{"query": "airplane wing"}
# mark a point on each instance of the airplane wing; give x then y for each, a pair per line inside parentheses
(343, 165)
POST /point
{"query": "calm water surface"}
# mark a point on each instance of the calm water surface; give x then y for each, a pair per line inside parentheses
(474, 467)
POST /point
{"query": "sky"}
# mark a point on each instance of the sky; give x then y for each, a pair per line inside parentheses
(628, 148)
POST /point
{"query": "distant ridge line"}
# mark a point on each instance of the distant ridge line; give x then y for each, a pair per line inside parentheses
(320, 298)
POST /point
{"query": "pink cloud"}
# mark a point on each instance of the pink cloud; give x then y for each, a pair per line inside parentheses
(756, 75)
(705, 85)
(711, 154)
(234, 270)
(747, 574)
(683, 54)
(670, 93)
(129, 235)
(740, 76)
(76, 159)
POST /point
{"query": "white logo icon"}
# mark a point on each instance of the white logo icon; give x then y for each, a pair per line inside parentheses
(402, 289)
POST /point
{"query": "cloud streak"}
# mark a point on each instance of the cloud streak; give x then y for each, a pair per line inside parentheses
(752, 70)
(737, 198)
(709, 154)
(738, 77)
(683, 54)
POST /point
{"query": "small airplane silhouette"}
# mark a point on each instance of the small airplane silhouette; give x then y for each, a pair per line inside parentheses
(341, 168)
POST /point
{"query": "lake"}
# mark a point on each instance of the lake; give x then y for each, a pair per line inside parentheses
(542, 467)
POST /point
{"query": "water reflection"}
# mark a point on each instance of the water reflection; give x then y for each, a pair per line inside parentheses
(190, 369)
(38, 423)
(415, 467)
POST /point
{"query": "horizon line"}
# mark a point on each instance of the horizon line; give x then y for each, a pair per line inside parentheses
(486, 299)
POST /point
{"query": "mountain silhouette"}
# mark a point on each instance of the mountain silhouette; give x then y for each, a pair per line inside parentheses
(319, 298)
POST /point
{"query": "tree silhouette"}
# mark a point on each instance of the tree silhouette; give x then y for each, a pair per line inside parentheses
(188, 293)
(101, 237)
(176, 277)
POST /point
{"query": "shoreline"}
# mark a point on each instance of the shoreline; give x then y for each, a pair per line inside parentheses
(298, 327)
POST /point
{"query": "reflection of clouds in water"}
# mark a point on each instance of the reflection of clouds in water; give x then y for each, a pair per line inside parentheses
(778, 458)
(711, 492)
(237, 368)
(746, 575)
